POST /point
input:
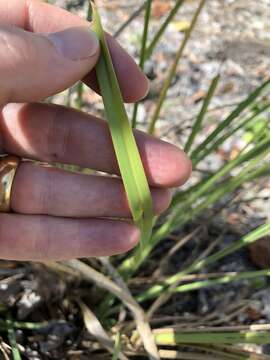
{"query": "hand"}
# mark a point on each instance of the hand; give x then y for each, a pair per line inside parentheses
(59, 215)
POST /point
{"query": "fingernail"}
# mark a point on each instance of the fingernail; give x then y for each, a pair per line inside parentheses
(77, 43)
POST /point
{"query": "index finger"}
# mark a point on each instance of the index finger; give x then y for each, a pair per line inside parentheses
(39, 17)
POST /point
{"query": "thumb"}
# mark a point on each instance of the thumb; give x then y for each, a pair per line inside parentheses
(35, 66)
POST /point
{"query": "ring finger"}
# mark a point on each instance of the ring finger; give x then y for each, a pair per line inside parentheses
(61, 193)
(42, 237)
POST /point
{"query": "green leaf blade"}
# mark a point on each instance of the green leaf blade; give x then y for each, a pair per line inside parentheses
(127, 154)
(199, 121)
(229, 119)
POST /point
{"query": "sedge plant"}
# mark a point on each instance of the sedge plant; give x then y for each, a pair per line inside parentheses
(249, 165)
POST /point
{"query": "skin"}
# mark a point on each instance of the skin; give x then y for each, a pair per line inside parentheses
(59, 215)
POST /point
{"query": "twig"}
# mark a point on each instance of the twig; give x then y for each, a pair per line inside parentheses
(181, 242)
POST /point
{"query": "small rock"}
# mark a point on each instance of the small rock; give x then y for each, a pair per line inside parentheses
(28, 303)
(260, 253)
(234, 68)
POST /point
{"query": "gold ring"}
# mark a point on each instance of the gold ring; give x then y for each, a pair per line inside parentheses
(8, 168)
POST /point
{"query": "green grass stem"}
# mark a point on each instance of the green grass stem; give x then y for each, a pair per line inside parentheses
(173, 69)
(163, 28)
(197, 127)
(143, 52)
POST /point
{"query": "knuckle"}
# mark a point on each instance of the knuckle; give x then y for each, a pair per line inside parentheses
(42, 240)
(47, 193)
(17, 51)
(17, 47)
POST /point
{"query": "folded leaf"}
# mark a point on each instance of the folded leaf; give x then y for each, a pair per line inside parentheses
(128, 157)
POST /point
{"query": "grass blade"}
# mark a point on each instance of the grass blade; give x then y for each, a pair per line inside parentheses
(171, 337)
(117, 347)
(225, 123)
(143, 54)
(129, 160)
(172, 71)
(12, 340)
(255, 235)
(221, 281)
(80, 85)
(261, 150)
(198, 123)
(220, 140)
(163, 28)
(95, 328)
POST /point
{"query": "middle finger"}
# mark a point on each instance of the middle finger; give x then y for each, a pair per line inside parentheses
(57, 134)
